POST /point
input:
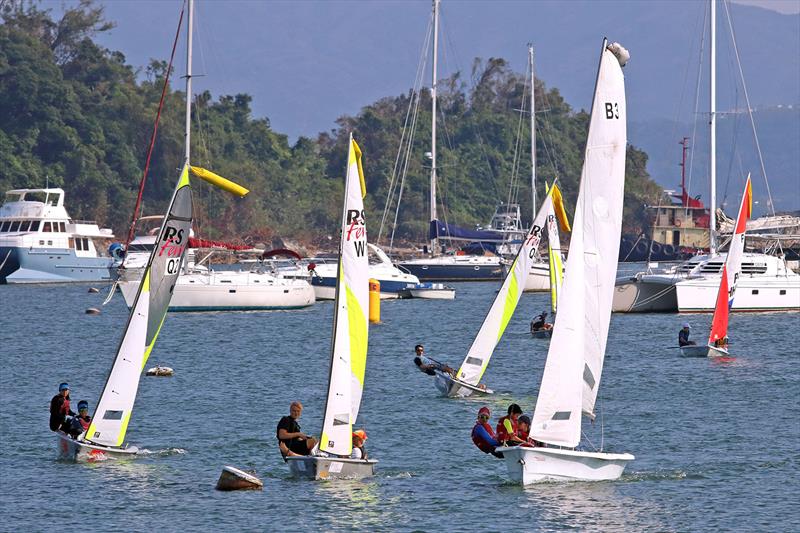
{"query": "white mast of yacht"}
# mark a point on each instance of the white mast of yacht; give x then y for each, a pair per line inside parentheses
(533, 133)
(434, 243)
(712, 175)
(189, 82)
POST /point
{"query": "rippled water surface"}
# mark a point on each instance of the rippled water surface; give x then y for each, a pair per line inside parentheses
(716, 443)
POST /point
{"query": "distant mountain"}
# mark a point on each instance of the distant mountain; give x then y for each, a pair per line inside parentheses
(779, 136)
(307, 63)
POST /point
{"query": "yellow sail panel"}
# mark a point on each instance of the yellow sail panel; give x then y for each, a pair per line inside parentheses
(558, 206)
(218, 181)
(355, 157)
(358, 336)
(512, 298)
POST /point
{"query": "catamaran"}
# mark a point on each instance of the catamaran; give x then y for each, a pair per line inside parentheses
(467, 379)
(718, 337)
(331, 459)
(105, 437)
(575, 356)
(554, 261)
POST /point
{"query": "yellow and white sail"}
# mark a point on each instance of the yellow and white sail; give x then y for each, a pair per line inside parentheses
(556, 216)
(503, 307)
(350, 323)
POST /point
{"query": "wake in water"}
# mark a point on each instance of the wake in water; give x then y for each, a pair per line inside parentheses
(166, 452)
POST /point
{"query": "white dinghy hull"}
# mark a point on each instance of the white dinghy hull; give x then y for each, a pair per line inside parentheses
(454, 388)
(535, 465)
(717, 352)
(542, 333)
(318, 467)
(695, 351)
(70, 449)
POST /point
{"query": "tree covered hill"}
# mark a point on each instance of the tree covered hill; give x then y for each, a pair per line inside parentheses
(73, 114)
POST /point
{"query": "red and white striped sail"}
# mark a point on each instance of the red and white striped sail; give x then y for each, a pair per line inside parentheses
(732, 268)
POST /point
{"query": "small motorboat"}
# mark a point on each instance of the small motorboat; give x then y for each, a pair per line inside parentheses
(430, 291)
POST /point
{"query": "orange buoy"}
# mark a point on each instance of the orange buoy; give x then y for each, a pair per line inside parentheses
(374, 301)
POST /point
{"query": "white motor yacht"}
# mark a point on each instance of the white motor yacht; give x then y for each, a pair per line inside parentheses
(40, 243)
(766, 284)
(392, 279)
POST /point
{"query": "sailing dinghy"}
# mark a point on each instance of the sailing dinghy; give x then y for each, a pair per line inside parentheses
(330, 459)
(555, 264)
(717, 345)
(467, 379)
(575, 356)
(105, 437)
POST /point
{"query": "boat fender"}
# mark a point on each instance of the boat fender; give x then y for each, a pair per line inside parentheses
(521, 461)
(641, 248)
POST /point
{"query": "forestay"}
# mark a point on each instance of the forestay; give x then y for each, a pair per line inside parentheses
(502, 309)
(149, 308)
(732, 268)
(350, 323)
(575, 356)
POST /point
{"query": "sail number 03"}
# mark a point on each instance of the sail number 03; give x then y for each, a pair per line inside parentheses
(612, 110)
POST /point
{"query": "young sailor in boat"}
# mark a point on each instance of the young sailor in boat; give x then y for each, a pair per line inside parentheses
(523, 432)
(81, 422)
(507, 426)
(59, 409)
(428, 365)
(539, 322)
(721, 343)
(482, 434)
(291, 440)
(683, 336)
(359, 452)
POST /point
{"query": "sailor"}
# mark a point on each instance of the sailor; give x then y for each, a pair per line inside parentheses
(59, 409)
(428, 365)
(721, 343)
(683, 336)
(507, 426)
(291, 440)
(482, 434)
(523, 431)
(80, 423)
(539, 322)
(359, 452)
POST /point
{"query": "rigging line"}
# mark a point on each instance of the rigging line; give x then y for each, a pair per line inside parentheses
(414, 95)
(749, 108)
(678, 108)
(515, 164)
(697, 103)
(155, 130)
(409, 147)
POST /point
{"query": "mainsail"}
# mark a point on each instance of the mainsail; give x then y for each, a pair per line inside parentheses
(350, 323)
(502, 309)
(114, 408)
(555, 216)
(575, 357)
(732, 268)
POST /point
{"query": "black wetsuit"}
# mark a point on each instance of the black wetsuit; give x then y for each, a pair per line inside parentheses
(59, 410)
(296, 444)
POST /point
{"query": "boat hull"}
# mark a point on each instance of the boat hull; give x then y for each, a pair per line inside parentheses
(634, 295)
(542, 333)
(483, 271)
(232, 478)
(69, 449)
(318, 467)
(534, 465)
(752, 294)
(453, 388)
(325, 288)
(694, 351)
(52, 265)
(538, 279)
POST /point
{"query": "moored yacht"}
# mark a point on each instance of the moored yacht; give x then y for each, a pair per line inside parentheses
(765, 284)
(40, 243)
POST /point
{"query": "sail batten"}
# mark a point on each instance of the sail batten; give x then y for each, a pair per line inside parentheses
(351, 326)
(574, 364)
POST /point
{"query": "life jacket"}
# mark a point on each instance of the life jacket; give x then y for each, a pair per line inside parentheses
(85, 422)
(502, 432)
(65, 407)
(482, 445)
(522, 434)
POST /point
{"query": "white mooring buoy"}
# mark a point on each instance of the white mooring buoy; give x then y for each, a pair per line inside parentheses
(232, 478)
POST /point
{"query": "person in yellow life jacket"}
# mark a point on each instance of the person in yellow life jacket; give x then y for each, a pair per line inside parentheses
(507, 426)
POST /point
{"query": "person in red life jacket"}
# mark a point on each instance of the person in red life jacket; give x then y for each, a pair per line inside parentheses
(524, 430)
(59, 409)
(507, 426)
(482, 435)
(80, 423)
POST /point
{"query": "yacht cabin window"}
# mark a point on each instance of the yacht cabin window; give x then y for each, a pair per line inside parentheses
(34, 225)
(14, 225)
(24, 225)
(47, 226)
(62, 227)
(4, 226)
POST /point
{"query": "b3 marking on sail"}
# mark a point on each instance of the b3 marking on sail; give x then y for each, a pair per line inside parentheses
(612, 110)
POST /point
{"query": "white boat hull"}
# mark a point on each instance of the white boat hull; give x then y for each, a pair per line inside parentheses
(694, 351)
(534, 465)
(318, 467)
(717, 352)
(433, 294)
(752, 294)
(538, 279)
(194, 293)
(70, 449)
(453, 388)
(542, 333)
(637, 295)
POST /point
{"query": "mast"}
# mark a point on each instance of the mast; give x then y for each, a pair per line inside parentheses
(712, 223)
(434, 243)
(684, 148)
(189, 81)
(533, 134)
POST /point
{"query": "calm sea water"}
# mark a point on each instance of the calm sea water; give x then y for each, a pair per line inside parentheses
(716, 444)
